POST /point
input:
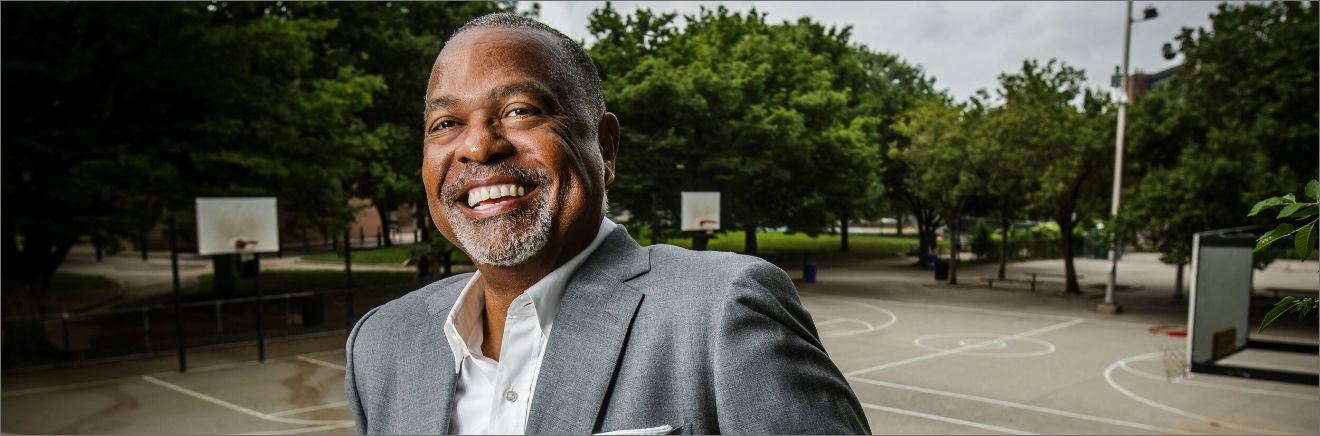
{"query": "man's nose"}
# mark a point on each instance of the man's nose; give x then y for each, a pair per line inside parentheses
(484, 144)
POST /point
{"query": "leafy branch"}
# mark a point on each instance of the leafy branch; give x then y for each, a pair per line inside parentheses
(1304, 241)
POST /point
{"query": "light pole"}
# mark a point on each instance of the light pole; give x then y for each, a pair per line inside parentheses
(1110, 305)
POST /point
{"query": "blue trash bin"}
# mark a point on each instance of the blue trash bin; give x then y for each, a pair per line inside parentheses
(809, 272)
(931, 260)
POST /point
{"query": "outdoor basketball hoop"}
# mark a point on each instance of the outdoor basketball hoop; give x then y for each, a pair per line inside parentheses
(1172, 343)
(246, 248)
(700, 212)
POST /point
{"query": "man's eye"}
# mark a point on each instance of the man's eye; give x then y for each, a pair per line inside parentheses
(522, 112)
(444, 125)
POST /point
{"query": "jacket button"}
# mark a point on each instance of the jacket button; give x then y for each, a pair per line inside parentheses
(510, 396)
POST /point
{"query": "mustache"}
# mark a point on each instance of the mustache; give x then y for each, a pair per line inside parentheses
(454, 190)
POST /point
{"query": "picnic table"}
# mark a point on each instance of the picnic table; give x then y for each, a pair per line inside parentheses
(1034, 277)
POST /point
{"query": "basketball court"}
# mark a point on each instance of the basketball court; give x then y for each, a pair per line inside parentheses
(957, 367)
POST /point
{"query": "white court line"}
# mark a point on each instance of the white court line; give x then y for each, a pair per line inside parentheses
(869, 328)
(159, 374)
(1109, 377)
(1075, 321)
(1118, 422)
(1185, 381)
(832, 321)
(90, 384)
(235, 407)
(946, 419)
(302, 430)
(310, 409)
(322, 363)
(988, 311)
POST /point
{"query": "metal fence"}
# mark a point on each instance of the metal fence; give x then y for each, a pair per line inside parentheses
(98, 336)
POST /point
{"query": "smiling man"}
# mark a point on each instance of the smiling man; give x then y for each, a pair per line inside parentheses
(569, 326)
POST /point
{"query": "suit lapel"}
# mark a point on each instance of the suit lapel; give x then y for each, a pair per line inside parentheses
(433, 366)
(589, 334)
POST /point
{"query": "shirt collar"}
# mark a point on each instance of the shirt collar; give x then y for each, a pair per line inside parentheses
(462, 325)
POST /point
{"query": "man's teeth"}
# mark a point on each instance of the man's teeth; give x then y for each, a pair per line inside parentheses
(483, 193)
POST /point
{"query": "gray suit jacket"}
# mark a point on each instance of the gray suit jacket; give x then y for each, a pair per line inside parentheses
(705, 342)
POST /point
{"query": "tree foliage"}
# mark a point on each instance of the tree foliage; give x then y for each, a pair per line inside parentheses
(120, 111)
(785, 120)
(1228, 128)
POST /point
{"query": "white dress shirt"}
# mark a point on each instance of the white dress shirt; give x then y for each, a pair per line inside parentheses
(495, 397)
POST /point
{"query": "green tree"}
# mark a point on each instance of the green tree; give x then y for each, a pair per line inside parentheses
(1068, 132)
(1227, 128)
(891, 88)
(731, 103)
(947, 161)
(398, 42)
(121, 111)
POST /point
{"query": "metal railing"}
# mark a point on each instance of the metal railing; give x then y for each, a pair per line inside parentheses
(98, 336)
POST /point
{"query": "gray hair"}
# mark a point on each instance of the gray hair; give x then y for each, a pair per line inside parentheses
(586, 103)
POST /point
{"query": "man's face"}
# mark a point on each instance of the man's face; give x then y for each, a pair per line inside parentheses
(506, 174)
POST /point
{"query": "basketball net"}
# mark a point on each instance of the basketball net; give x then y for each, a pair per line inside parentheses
(1172, 343)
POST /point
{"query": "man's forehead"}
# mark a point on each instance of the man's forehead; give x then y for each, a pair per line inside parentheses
(525, 49)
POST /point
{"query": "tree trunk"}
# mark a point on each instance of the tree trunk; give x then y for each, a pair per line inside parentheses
(955, 248)
(926, 245)
(844, 235)
(923, 241)
(384, 225)
(1003, 243)
(1178, 283)
(749, 240)
(424, 222)
(1066, 228)
(898, 228)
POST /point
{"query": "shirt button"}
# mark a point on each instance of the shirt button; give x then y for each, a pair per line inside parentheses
(510, 396)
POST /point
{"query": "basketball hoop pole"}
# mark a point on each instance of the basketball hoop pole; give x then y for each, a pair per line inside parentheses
(178, 301)
(261, 326)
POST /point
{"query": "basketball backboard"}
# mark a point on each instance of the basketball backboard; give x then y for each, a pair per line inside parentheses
(237, 225)
(701, 211)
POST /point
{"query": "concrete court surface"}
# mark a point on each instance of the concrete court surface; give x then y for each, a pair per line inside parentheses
(923, 359)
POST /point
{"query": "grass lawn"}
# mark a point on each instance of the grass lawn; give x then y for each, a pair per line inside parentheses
(821, 247)
(771, 242)
(283, 281)
(68, 291)
(386, 255)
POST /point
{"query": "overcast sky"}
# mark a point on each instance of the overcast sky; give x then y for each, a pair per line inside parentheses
(963, 45)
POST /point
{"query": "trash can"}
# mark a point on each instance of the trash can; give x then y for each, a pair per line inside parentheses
(942, 269)
(930, 261)
(809, 272)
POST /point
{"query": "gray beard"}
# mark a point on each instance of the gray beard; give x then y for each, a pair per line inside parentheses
(504, 240)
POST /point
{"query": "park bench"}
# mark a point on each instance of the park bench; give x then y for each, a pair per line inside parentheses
(1035, 277)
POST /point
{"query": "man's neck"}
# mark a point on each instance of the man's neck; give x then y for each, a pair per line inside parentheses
(503, 284)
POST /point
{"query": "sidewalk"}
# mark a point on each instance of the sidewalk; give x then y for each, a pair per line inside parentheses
(152, 279)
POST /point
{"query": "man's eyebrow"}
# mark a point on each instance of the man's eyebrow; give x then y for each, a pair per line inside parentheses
(528, 88)
(439, 103)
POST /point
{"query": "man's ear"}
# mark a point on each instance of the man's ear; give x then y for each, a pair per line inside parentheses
(608, 133)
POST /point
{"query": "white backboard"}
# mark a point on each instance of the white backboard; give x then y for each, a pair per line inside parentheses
(701, 211)
(237, 225)
(1222, 280)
